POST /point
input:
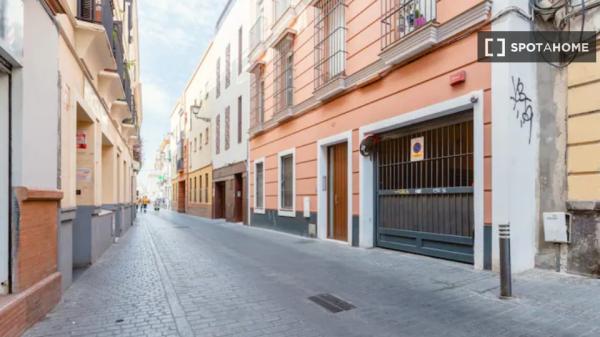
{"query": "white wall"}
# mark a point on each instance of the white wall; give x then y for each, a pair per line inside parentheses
(514, 157)
(35, 127)
(240, 85)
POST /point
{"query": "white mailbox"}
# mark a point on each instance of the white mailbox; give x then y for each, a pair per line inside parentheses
(557, 227)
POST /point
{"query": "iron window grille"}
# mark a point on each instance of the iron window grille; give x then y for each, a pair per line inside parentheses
(227, 66)
(218, 80)
(239, 120)
(402, 17)
(240, 49)
(287, 182)
(218, 134)
(257, 32)
(257, 97)
(284, 74)
(330, 41)
(259, 171)
(206, 189)
(279, 8)
(227, 127)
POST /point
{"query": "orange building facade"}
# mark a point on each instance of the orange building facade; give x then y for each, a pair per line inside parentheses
(371, 124)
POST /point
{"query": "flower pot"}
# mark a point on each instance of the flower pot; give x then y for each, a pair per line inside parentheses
(420, 21)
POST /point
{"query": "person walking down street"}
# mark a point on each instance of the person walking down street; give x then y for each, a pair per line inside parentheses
(145, 203)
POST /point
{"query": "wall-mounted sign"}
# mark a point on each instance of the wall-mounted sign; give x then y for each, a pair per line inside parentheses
(417, 149)
(84, 175)
(81, 139)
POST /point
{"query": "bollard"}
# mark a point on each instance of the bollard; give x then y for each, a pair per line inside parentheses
(505, 273)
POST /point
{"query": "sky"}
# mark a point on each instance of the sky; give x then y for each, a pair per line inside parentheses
(173, 36)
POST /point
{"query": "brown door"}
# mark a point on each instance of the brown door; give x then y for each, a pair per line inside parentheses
(238, 208)
(219, 200)
(338, 192)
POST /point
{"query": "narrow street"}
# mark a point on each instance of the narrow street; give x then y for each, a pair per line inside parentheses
(179, 275)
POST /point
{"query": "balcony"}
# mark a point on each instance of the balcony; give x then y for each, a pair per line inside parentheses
(93, 34)
(257, 35)
(283, 16)
(408, 27)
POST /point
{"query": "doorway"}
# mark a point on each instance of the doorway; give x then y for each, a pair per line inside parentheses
(181, 197)
(337, 192)
(238, 215)
(219, 200)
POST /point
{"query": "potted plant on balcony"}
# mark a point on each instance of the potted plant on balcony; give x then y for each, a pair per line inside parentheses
(419, 20)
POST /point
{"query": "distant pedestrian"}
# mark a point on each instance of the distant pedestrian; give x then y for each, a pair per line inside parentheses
(145, 202)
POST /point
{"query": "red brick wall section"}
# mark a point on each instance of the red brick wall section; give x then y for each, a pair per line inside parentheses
(35, 251)
(21, 311)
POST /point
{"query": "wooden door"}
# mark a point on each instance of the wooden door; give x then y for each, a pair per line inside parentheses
(338, 192)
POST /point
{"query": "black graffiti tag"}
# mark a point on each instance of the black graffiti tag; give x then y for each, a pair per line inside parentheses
(522, 105)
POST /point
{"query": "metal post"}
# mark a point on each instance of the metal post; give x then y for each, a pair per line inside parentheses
(505, 273)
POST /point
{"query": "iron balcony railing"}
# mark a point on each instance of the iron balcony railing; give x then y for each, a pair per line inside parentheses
(257, 33)
(279, 8)
(402, 17)
(97, 11)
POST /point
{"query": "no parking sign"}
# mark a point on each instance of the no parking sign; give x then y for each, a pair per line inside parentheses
(417, 149)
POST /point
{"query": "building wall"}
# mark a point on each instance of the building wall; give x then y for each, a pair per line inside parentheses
(200, 192)
(583, 165)
(584, 137)
(227, 34)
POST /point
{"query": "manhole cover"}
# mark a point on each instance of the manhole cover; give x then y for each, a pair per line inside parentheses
(331, 303)
(181, 227)
(120, 320)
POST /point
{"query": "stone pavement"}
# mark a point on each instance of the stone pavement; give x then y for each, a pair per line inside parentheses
(178, 275)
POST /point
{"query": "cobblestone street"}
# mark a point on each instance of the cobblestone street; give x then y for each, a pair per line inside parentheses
(178, 275)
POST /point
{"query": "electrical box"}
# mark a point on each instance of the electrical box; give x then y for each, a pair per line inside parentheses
(306, 207)
(557, 227)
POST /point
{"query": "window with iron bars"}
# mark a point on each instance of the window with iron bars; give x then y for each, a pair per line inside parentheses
(227, 127)
(284, 74)
(218, 84)
(227, 66)
(218, 134)
(402, 17)
(257, 97)
(330, 41)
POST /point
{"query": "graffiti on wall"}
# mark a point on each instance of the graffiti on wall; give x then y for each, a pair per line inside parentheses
(522, 105)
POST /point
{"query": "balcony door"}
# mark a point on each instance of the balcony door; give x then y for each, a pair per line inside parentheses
(4, 178)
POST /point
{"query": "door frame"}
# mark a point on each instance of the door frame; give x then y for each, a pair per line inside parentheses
(5, 183)
(471, 101)
(322, 175)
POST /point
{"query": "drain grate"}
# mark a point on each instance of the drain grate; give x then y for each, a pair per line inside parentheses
(331, 303)
(181, 227)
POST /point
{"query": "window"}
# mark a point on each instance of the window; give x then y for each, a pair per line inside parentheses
(257, 102)
(240, 38)
(206, 133)
(228, 65)
(207, 188)
(286, 183)
(227, 127)
(190, 187)
(200, 141)
(195, 144)
(284, 77)
(259, 186)
(195, 189)
(239, 120)
(330, 41)
(201, 191)
(218, 134)
(218, 84)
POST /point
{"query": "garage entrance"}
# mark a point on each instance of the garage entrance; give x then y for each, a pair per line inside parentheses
(424, 188)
